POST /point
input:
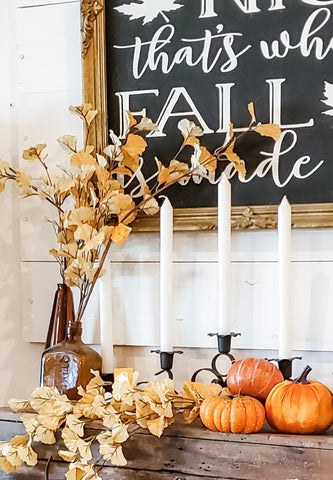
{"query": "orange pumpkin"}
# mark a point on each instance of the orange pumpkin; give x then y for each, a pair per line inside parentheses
(253, 376)
(239, 414)
(300, 406)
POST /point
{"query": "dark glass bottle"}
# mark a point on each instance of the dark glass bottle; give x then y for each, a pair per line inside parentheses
(62, 311)
(67, 365)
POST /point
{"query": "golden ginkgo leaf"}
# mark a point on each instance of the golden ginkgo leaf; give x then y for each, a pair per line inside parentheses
(146, 124)
(84, 449)
(75, 424)
(70, 141)
(19, 405)
(84, 232)
(191, 414)
(23, 179)
(207, 160)
(250, 108)
(150, 207)
(235, 159)
(85, 111)
(45, 435)
(82, 158)
(131, 119)
(163, 176)
(30, 422)
(107, 450)
(177, 170)
(90, 116)
(120, 433)
(269, 130)
(6, 466)
(120, 233)
(70, 438)
(13, 457)
(160, 391)
(4, 167)
(97, 238)
(95, 382)
(79, 215)
(19, 440)
(198, 391)
(65, 184)
(135, 145)
(28, 455)
(130, 161)
(86, 404)
(67, 456)
(35, 153)
(107, 230)
(158, 425)
(41, 397)
(122, 171)
(189, 129)
(50, 420)
(76, 473)
(131, 151)
(118, 459)
(110, 417)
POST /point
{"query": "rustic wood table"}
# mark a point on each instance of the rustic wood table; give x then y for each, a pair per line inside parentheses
(190, 452)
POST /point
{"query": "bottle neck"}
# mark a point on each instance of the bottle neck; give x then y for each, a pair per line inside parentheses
(74, 331)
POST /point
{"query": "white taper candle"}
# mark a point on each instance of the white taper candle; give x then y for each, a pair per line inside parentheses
(106, 326)
(284, 248)
(166, 263)
(224, 256)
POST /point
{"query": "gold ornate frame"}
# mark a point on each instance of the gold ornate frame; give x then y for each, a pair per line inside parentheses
(94, 84)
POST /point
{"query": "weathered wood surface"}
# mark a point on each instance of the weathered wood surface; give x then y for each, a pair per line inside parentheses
(189, 452)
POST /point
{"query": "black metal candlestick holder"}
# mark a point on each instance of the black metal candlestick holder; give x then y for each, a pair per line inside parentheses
(285, 365)
(108, 379)
(224, 347)
(166, 361)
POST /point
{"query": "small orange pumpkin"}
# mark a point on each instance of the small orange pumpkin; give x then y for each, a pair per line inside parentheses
(300, 406)
(236, 414)
(253, 376)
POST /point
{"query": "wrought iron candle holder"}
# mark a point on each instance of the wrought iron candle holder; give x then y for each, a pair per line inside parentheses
(166, 361)
(224, 347)
(108, 379)
(285, 365)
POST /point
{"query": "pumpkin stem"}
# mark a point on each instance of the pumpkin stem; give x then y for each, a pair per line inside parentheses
(302, 378)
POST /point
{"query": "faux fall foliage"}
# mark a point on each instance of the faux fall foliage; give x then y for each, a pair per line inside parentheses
(94, 420)
(92, 207)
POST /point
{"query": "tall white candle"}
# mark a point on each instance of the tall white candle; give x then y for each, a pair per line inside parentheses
(224, 256)
(166, 262)
(284, 248)
(106, 327)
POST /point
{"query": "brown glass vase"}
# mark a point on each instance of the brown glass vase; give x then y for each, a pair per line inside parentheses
(67, 365)
(62, 312)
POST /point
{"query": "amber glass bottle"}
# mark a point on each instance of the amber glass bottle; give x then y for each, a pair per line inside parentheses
(62, 311)
(67, 365)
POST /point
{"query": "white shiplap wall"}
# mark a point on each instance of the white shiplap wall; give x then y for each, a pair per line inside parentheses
(44, 76)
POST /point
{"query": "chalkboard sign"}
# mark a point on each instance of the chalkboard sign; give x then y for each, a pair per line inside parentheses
(206, 60)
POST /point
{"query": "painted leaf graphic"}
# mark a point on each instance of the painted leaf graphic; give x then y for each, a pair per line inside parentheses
(328, 92)
(148, 9)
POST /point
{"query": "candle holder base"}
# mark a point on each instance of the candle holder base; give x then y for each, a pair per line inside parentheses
(108, 379)
(223, 346)
(166, 361)
(224, 341)
(285, 365)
